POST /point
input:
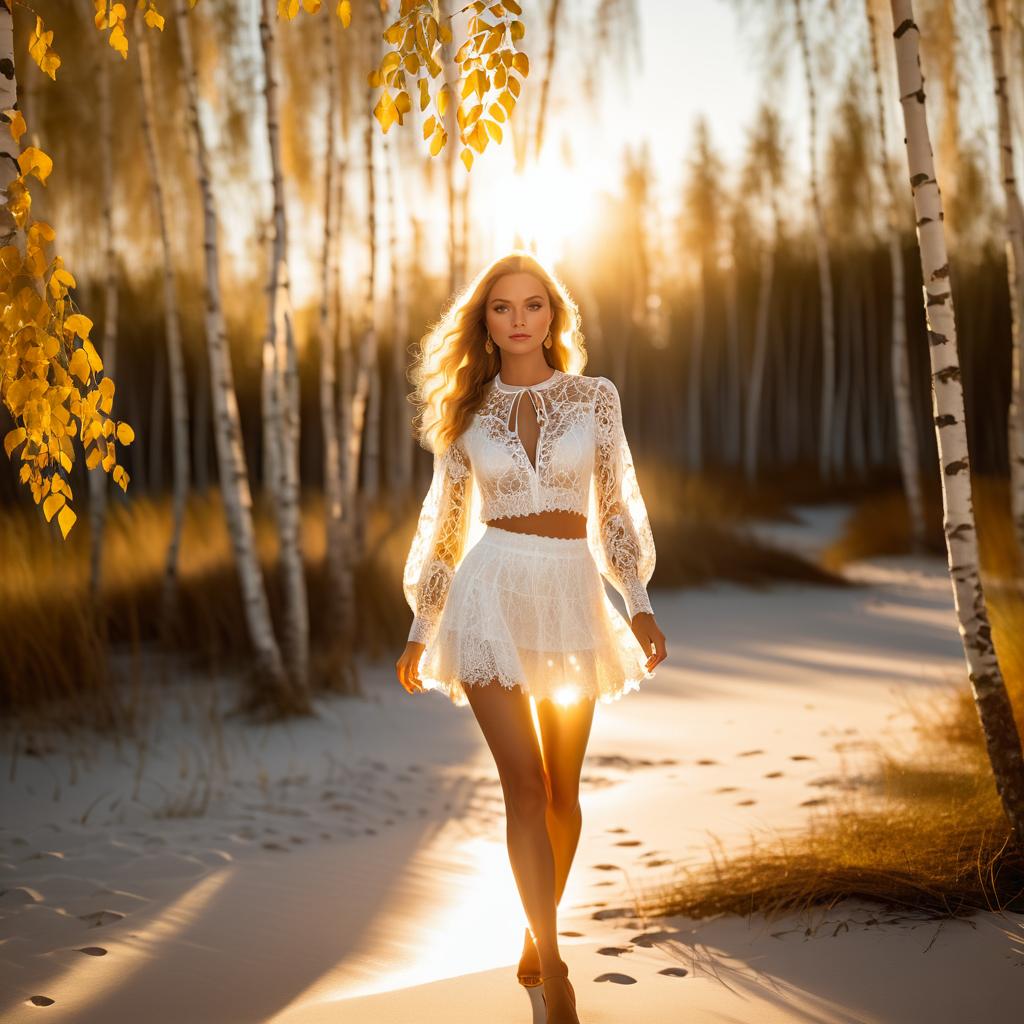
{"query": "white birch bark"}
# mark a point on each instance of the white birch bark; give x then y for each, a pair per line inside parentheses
(906, 429)
(755, 388)
(694, 380)
(8, 147)
(400, 458)
(108, 349)
(172, 324)
(1014, 268)
(335, 558)
(271, 679)
(285, 421)
(368, 343)
(994, 710)
(828, 343)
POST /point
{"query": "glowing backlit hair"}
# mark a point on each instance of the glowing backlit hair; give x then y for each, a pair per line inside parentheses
(452, 368)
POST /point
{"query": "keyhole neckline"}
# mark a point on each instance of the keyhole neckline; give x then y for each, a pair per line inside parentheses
(511, 388)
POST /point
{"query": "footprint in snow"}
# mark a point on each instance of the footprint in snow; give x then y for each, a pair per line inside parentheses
(613, 950)
(800, 757)
(40, 1000)
(707, 760)
(674, 972)
(629, 842)
(618, 979)
(773, 775)
(92, 950)
(750, 753)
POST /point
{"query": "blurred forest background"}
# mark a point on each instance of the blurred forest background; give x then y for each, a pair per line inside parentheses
(707, 311)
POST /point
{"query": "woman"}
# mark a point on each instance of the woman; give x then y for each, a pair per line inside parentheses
(523, 613)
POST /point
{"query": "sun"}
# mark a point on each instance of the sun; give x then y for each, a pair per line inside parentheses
(545, 208)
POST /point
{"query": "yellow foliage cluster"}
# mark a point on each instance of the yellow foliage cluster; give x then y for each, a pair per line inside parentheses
(50, 373)
(488, 60)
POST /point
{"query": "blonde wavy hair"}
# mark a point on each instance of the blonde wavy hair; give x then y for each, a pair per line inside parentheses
(451, 368)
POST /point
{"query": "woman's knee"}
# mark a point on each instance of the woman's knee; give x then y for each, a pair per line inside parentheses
(565, 801)
(526, 794)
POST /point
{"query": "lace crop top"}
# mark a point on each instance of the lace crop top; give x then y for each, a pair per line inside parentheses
(582, 464)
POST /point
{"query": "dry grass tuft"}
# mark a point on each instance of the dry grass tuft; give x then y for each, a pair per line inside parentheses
(925, 833)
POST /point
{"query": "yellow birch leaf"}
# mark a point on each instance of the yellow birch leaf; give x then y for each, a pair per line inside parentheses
(79, 365)
(78, 324)
(95, 363)
(154, 19)
(467, 158)
(521, 63)
(109, 460)
(125, 434)
(428, 126)
(119, 41)
(438, 141)
(518, 31)
(92, 460)
(17, 126)
(51, 504)
(13, 438)
(344, 12)
(65, 461)
(35, 161)
(65, 520)
(120, 477)
(493, 130)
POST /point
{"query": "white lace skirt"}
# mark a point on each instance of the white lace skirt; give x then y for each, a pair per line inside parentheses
(532, 612)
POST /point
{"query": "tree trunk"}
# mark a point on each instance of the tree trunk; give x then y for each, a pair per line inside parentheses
(994, 710)
(335, 556)
(828, 342)
(172, 327)
(108, 350)
(906, 427)
(272, 688)
(1014, 269)
(694, 440)
(400, 456)
(286, 407)
(755, 392)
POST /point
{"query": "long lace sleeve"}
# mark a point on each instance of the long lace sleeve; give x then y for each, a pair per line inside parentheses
(622, 542)
(439, 541)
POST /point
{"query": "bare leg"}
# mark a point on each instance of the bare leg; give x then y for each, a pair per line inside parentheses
(565, 732)
(507, 724)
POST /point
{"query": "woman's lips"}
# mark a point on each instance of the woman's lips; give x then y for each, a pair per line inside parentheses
(518, 335)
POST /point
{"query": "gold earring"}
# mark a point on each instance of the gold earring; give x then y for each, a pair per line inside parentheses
(488, 344)
(547, 341)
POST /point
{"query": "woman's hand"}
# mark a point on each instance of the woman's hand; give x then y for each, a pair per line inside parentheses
(645, 629)
(408, 666)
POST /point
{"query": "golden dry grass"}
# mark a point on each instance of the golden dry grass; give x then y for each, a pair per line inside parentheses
(925, 833)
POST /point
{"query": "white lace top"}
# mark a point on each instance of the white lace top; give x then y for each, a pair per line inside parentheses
(582, 464)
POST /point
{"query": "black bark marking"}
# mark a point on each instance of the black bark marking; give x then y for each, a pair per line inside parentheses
(903, 28)
(945, 420)
(947, 374)
(952, 468)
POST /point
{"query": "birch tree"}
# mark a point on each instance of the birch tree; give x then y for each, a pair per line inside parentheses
(172, 325)
(108, 347)
(285, 407)
(991, 699)
(828, 341)
(763, 179)
(906, 430)
(1014, 224)
(272, 682)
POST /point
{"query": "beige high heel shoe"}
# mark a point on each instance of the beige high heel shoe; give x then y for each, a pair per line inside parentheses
(563, 973)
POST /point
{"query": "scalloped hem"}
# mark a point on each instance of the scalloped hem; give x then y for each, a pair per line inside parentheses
(455, 689)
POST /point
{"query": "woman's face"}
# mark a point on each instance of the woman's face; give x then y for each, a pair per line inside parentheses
(518, 312)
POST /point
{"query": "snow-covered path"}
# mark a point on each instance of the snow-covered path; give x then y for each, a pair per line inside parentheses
(354, 869)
